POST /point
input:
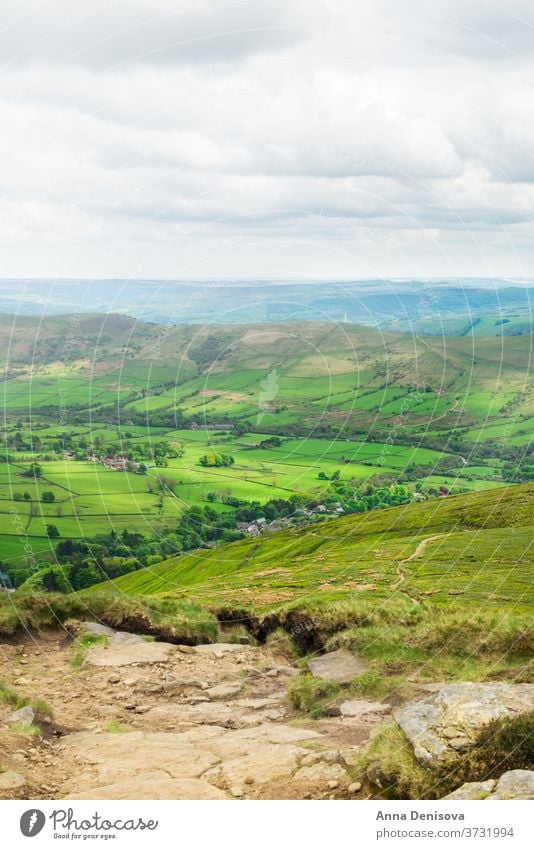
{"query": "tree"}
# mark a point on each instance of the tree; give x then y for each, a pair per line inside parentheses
(48, 497)
(52, 532)
(26, 496)
(34, 471)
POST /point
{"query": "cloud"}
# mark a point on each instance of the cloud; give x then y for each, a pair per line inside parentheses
(155, 138)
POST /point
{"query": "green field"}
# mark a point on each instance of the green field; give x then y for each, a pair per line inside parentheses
(478, 553)
(346, 401)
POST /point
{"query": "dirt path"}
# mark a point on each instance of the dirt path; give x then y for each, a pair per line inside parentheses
(401, 572)
(141, 719)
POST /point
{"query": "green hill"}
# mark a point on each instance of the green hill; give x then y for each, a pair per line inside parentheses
(315, 377)
(469, 552)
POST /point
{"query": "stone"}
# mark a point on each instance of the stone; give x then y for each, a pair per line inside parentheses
(109, 759)
(149, 688)
(514, 784)
(237, 792)
(338, 666)
(10, 780)
(185, 649)
(290, 671)
(224, 691)
(361, 707)
(317, 757)
(114, 679)
(121, 638)
(155, 786)
(128, 653)
(473, 790)
(24, 714)
(329, 773)
(355, 787)
(217, 649)
(96, 629)
(258, 704)
(446, 723)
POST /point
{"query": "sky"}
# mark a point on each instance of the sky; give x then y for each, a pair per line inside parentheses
(267, 138)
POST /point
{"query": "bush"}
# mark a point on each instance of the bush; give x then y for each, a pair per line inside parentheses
(506, 743)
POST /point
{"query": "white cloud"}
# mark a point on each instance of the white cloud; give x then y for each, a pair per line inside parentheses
(228, 137)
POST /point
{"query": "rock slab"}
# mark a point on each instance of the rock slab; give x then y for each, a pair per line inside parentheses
(514, 784)
(447, 723)
(339, 666)
(124, 654)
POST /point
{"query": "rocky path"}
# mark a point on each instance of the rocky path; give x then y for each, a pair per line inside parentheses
(142, 719)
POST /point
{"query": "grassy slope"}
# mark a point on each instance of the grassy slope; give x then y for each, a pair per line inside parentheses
(320, 372)
(482, 553)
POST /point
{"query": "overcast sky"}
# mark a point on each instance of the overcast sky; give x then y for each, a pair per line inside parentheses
(302, 138)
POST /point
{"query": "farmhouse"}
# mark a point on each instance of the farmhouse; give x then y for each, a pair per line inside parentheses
(216, 426)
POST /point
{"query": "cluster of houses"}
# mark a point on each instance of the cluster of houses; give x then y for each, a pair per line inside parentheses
(119, 464)
(216, 426)
(262, 526)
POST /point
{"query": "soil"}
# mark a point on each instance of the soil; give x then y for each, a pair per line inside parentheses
(177, 722)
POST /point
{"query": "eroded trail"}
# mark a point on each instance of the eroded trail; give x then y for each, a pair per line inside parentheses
(142, 719)
(401, 572)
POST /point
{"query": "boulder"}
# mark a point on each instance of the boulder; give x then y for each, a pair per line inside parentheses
(24, 714)
(338, 666)
(96, 629)
(446, 723)
(121, 638)
(473, 790)
(224, 691)
(361, 707)
(514, 784)
(10, 780)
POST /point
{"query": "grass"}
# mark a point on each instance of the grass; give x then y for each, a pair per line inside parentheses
(11, 697)
(165, 619)
(312, 696)
(480, 556)
(114, 727)
(413, 650)
(389, 768)
(81, 646)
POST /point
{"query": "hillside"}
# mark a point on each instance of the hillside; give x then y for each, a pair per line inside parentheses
(468, 550)
(313, 376)
(345, 403)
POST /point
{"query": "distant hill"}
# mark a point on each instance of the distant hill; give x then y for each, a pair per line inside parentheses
(313, 376)
(451, 307)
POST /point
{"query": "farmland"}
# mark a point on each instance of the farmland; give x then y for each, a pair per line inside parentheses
(344, 402)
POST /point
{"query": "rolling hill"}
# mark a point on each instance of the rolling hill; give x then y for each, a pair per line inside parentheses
(471, 552)
(315, 377)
